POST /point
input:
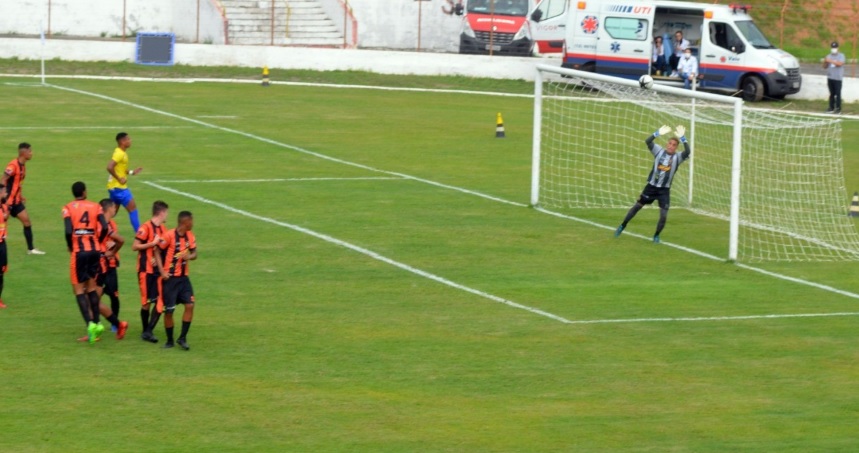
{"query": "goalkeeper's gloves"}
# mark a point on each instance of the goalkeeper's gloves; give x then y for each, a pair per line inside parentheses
(662, 131)
(681, 132)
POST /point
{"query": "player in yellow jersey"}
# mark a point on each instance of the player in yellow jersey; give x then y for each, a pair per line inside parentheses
(117, 184)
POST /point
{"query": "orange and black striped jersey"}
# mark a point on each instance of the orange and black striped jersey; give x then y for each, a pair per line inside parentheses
(4, 215)
(16, 172)
(177, 248)
(146, 234)
(113, 261)
(85, 225)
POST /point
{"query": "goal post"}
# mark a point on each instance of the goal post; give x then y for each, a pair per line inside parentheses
(773, 181)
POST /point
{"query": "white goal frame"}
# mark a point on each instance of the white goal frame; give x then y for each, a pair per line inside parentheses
(734, 217)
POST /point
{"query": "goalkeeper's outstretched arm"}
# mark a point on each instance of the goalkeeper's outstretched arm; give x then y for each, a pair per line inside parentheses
(681, 134)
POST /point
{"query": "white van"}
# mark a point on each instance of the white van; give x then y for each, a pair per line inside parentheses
(615, 37)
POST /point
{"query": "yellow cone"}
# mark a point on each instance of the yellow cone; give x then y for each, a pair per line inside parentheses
(499, 126)
(265, 81)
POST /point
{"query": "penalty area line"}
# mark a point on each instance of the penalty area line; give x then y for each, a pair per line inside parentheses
(364, 251)
(196, 181)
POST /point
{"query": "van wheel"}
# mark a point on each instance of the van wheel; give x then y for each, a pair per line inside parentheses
(753, 89)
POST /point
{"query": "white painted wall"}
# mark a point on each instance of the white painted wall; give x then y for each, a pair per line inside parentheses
(378, 61)
(95, 18)
(393, 24)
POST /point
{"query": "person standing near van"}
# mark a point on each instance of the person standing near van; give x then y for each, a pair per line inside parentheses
(660, 64)
(688, 68)
(834, 65)
(679, 44)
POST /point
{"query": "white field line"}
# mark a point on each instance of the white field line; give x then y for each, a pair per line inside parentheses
(362, 251)
(219, 181)
(470, 192)
(77, 128)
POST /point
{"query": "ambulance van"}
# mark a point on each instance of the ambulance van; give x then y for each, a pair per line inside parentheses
(496, 27)
(615, 37)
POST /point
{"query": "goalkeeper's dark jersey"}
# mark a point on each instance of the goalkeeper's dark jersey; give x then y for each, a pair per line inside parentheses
(664, 164)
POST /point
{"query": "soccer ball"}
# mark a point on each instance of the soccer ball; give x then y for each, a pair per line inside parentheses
(645, 82)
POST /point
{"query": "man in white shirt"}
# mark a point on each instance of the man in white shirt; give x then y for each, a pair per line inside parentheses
(688, 68)
(678, 45)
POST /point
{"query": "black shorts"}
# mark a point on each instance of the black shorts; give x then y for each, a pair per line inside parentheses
(652, 193)
(109, 281)
(85, 266)
(150, 288)
(15, 209)
(177, 290)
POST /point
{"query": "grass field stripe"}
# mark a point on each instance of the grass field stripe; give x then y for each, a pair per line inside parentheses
(291, 147)
(197, 181)
(709, 256)
(716, 318)
(363, 251)
(458, 189)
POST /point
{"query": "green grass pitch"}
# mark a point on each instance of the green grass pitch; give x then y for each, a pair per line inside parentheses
(352, 296)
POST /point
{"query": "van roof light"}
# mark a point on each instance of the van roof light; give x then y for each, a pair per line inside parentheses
(708, 14)
(743, 8)
(582, 5)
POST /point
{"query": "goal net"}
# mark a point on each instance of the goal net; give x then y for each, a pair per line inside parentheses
(776, 178)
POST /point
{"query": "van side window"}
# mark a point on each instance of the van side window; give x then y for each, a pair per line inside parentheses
(552, 8)
(627, 28)
(723, 35)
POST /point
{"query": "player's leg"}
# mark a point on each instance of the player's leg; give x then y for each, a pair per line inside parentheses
(169, 295)
(3, 268)
(664, 203)
(133, 216)
(186, 297)
(111, 287)
(154, 284)
(24, 217)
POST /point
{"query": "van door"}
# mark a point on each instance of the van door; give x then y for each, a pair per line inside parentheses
(721, 56)
(624, 46)
(548, 25)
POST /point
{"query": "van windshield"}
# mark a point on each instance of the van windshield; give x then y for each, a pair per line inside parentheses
(501, 7)
(754, 35)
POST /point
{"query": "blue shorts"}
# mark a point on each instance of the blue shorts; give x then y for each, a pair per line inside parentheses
(120, 196)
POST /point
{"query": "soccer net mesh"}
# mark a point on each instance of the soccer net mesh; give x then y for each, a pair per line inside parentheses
(792, 191)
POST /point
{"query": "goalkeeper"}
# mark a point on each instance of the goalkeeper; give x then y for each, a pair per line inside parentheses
(658, 188)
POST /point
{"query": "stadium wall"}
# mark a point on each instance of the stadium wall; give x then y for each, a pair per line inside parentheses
(379, 61)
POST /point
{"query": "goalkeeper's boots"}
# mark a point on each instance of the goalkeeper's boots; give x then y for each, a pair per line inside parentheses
(618, 231)
(656, 239)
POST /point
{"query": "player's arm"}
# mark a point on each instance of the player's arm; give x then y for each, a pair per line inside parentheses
(104, 227)
(5, 178)
(159, 261)
(681, 135)
(68, 222)
(111, 168)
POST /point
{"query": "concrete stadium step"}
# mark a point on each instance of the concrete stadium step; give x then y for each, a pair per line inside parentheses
(296, 22)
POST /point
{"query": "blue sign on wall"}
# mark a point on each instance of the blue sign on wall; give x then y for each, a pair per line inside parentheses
(155, 48)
